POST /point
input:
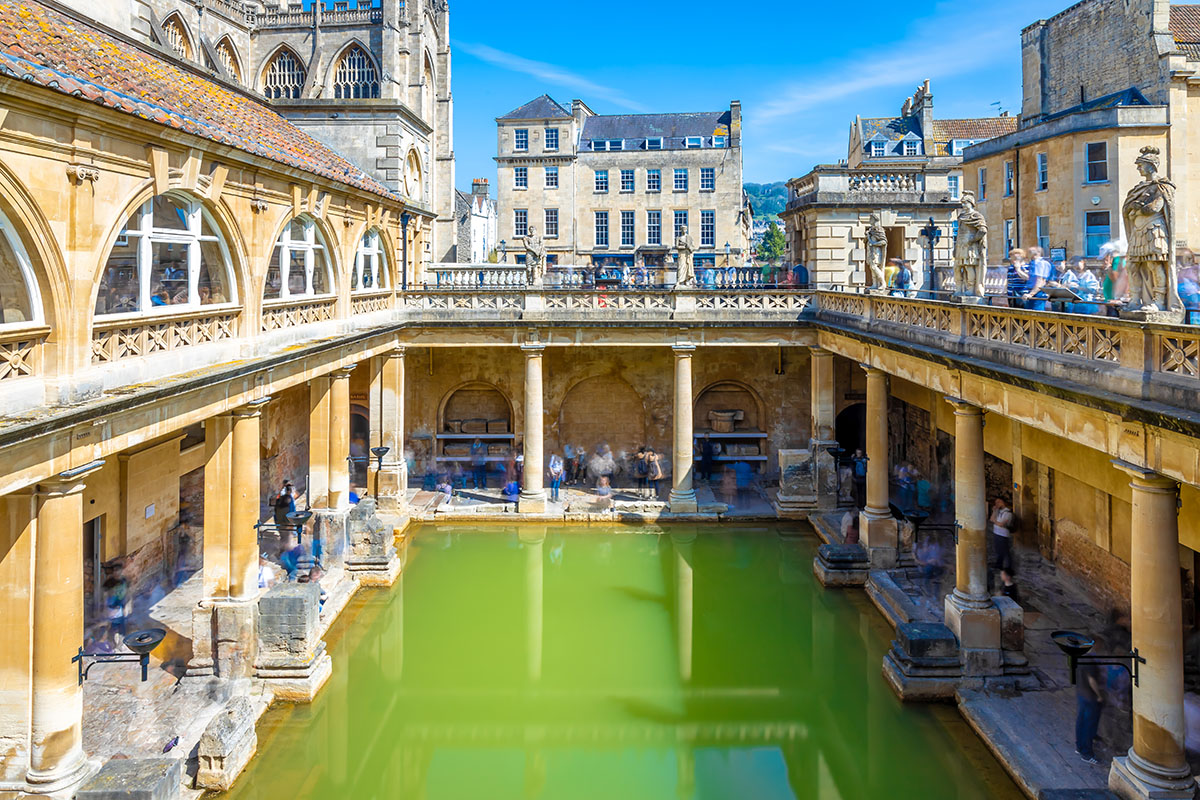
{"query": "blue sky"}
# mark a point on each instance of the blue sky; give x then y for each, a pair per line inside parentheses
(802, 70)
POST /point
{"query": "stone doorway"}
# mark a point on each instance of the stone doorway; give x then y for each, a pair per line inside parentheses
(851, 428)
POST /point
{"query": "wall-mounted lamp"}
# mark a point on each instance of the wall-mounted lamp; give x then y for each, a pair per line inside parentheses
(1076, 647)
(139, 642)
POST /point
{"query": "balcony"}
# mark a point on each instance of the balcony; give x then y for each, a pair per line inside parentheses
(838, 185)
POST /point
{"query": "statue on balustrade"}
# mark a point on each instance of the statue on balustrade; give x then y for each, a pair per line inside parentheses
(685, 272)
(1149, 212)
(535, 257)
(876, 252)
(970, 250)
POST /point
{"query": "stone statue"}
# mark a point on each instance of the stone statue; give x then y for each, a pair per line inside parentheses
(970, 250)
(535, 257)
(876, 251)
(1149, 216)
(685, 274)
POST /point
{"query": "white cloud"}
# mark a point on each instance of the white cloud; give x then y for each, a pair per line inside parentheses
(550, 73)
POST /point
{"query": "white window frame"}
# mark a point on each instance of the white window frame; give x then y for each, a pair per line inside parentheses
(550, 223)
(25, 267)
(1086, 250)
(1043, 172)
(911, 148)
(679, 185)
(370, 259)
(654, 143)
(1089, 162)
(708, 179)
(628, 173)
(1009, 230)
(520, 177)
(654, 180)
(708, 228)
(600, 181)
(876, 149)
(693, 142)
(954, 182)
(520, 221)
(312, 248)
(598, 229)
(654, 226)
(551, 171)
(718, 141)
(981, 195)
(520, 142)
(675, 218)
(1009, 179)
(1042, 224)
(628, 228)
(550, 134)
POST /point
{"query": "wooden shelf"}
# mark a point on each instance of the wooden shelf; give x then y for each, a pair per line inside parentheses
(469, 458)
(735, 458)
(475, 436)
(733, 435)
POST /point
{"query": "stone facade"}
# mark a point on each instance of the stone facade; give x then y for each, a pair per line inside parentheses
(477, 223)
(562, 184)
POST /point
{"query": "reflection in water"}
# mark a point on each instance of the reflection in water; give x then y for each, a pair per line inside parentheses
(556, 664)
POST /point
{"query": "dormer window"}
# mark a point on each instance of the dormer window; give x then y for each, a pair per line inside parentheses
(910, 147)
(693, 142)
(599, 145)
(876, 149)
(718, 141)
(654, 143)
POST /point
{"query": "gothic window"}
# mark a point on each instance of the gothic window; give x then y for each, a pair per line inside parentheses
(177, 38)
(228, 58)
(427, 91)
(370, 264)
(168, 254)
(355, 76)
(299, 262)
(284, 77)
(18, 287)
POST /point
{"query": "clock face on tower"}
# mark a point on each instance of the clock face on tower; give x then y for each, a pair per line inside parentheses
(412, 176)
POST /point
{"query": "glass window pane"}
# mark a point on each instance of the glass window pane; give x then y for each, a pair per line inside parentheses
(297, 228)
(119, 283)
(320, 285)
(14, 296)
(296, 273)
(274, 278)
(168, 274)
(213, 287)
(169, 214)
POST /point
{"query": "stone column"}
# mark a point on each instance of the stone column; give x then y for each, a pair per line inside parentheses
(683, 497)
(387, 430)
(970, 613)
(1156, 765)
(533, 492)
(339, 439)
(823, 434)
(317, 489)
(244, 503)
(56, 759)
(877, 526)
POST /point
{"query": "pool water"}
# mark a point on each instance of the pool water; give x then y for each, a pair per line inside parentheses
(555, 662)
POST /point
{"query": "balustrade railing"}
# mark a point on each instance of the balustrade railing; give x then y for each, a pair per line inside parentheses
(114, 339)
(513, 276)
(554, 299)
(370, 302)
(281, 314)
(885, 182)
(21, 351)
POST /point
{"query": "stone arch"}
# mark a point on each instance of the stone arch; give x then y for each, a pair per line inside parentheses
(428, 89)
(474, 400)
(178, 36)
(354, 73)
(600, 408)
(331, 244)
(220, 215)
(232, 62)
(730, 395)
(850, 428)
(282, 74)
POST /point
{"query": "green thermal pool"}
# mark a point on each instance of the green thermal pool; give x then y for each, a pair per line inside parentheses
(555, 662)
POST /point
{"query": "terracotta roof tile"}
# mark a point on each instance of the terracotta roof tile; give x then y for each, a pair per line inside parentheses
(49, 48)
(945, 130)
(1185, 23)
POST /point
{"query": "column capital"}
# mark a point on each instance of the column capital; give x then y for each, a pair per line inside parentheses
(1144, 478)
(963, 408)
(398, 351)
(683, 349)
(819, 352)
(872, 371)
(68, 481)
(532, 348)
(251, 409)
(341, 373)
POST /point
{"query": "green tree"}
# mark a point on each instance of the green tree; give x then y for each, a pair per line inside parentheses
(773, 245)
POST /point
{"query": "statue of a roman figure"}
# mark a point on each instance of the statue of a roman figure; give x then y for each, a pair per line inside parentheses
(1149, 217)
(685, 272)
(970, 250)
(535, 257)
(876, 251)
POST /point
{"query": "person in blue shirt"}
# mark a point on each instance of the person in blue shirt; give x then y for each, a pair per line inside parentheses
(1083, 283)
(1040, 273)
(1018, 277)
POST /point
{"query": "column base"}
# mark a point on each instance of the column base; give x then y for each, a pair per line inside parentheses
(532, 502)
(225, 639)
(62, 781)
(879, 535)
(393, 488)
(683, 502)
(838, 565)
(975, 622)
(1132, 778)
(372, 555)
(327, 536)
(297, 682)
(924, 663)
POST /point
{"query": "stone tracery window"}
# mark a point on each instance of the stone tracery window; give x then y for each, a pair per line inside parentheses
(169, 254)
(177, 37)
(299, 262)
(284, 77)
(370, 264)
(229, 60)
(355, 76)
(18, 286)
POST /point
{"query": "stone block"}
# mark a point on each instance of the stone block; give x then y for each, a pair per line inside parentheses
(288, 616)
(1076, 794)
(135, 779)
(926, 640)
(839, 565)
(372, 546)
(1012, 624)
(329, 536)
(976, 628)
(227, 745)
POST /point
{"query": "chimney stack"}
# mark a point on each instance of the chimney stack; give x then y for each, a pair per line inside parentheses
(479, 187)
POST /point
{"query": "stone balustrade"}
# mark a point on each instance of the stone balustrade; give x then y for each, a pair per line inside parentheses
(281, 314)
(646, 303)
(20, 351)
(129, 336)
(871, 182)
(1136, 359)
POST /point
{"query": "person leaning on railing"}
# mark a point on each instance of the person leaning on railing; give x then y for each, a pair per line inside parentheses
(1084, 284)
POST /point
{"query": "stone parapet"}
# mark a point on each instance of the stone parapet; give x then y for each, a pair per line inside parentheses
(227, 745)
(838, 565)
(291, 654)
(135, 779)
(371, 556)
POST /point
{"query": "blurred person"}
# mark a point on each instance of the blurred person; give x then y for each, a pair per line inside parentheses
(604, 492)
(1090, 696)
(1040, 274)
(555, 470)
(1085, 284)
(639, 470)
(1114, 284)
(479, 463)
(1018, 276)
(654, 471)
(859, 465)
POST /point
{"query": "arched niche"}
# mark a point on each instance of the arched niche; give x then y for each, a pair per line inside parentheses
(730, 396)
(474, 410)
(602, 409)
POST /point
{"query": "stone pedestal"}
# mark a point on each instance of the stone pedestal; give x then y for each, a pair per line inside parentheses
(372, 548)
(880, 536)
(924, 662)
(388, 481)
(976, 623)
(224, 639)
(291, 656)
(797, 494)
(327, 537)
(228, 744)
(135, 779)
(839, 565)
(1164, 317)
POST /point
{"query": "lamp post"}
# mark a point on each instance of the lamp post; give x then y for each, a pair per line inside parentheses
(1076, 647)
(932, 234)
(140, 644)
(379, 453)
(404, 220)
(503, 252)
